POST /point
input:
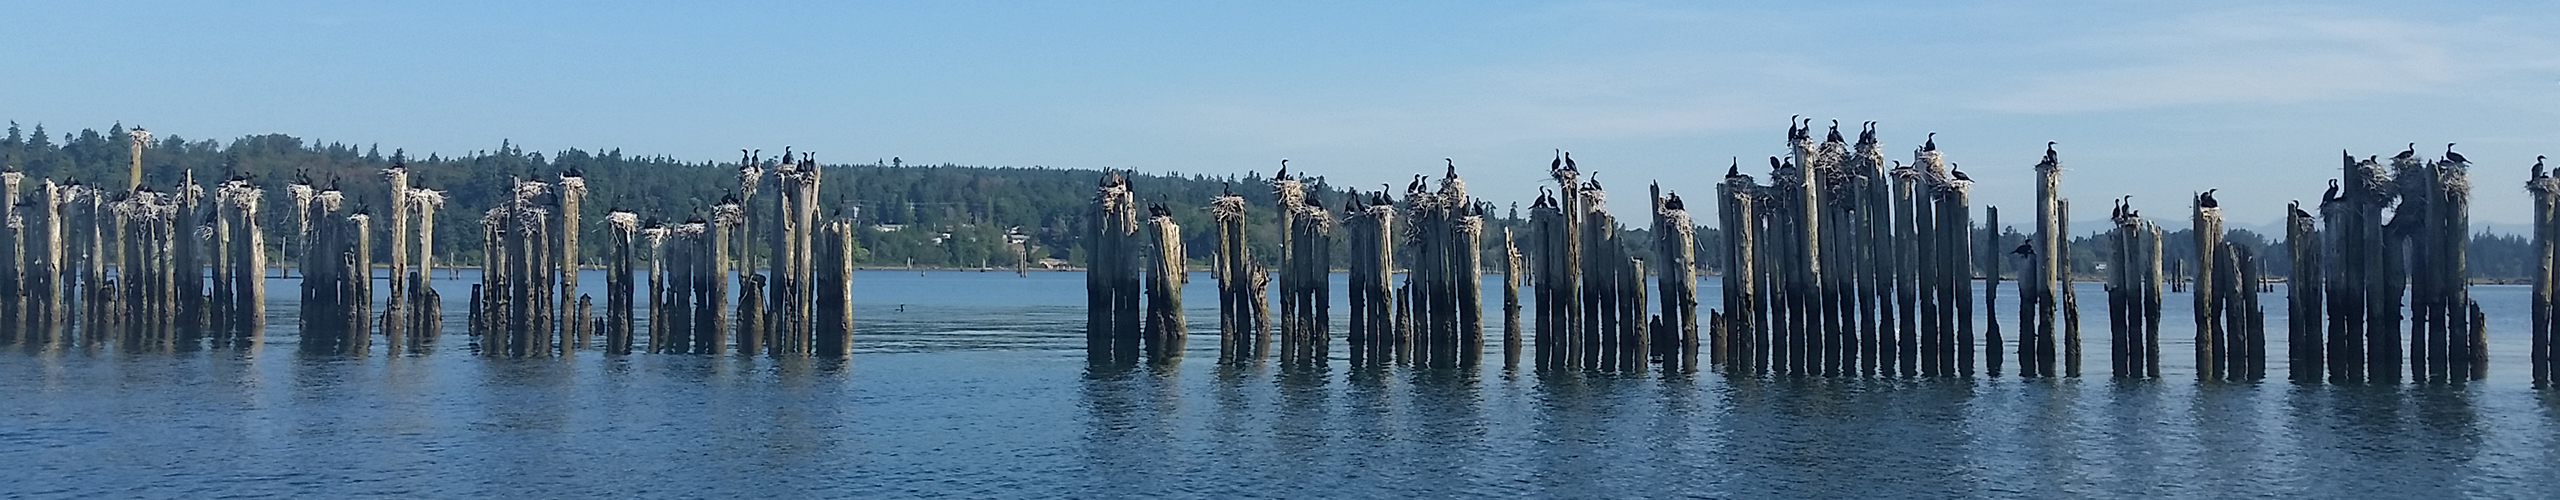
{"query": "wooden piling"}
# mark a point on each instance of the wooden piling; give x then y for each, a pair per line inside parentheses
(1165, 277)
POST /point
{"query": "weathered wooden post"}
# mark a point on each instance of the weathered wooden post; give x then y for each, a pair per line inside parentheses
(659, 330)
(1511, 274)
(1745, 333)
(2207, 220)
(2546, 241)
(625, 227)
(2069, 290)
(2304, 338)
(564, 225)
(1675, 246)
(1992, 266)
(835, 289)
(1165, 276)
(2048, 262)
(1228, 265)
(753, 334)
(1111, 254)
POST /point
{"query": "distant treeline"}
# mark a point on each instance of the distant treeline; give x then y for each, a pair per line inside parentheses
(928, 216)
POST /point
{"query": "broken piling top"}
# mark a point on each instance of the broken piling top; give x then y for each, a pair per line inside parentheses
(2367, 179)
(573, 182)
(239, 193)
(623, 220)
(1116, 201)
(2453, 174)
(729, 212)
(1227, 208)
(425, 199)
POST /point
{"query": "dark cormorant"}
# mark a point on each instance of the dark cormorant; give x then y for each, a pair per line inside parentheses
(2024, 248)
(1736, 169)
(1835, 132)
(1951, 170)
(2332, 195)
(1453, 167)
(1558, 163)
(2297, 210)
(1931, 144)
(1774, 165)
(2049, 156)
(2412, 152)
(1159, 210)
(2537, 167)
(1673, 202)
(2206, 200)
(1227, 188)
(2451, 156)
(1284, 170)
(1568, 162)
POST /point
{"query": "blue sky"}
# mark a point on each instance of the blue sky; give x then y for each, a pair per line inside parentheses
(2153, 99)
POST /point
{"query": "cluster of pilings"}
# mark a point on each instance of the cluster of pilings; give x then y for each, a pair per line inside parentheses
(2370, 263)
(1675, 326)
(138, 269)
(1590, 288)
(2133, 294)
(1306, 269)
(1113, 331)
(2044, 283)
(1840, 266)
(514, 312)
(1243, 317)
(1376, 335)
(1442, 296)
(412, 315)
(2231, 340)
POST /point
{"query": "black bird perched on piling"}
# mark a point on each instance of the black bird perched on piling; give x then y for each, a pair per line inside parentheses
(2049, 156)
(1568, 163)
(1774, 165)
(2412, 152)
(1558, 163)
(1159, 210)
(2206, 200)
(2024, 248)
(1284, 170)
(2451, 156)
(2297, 209)
(1835, 132)
(2537, 168)
(1931, 144)
(1959, 174)
(1673, 202)
(2332, 195)
(1736, 169)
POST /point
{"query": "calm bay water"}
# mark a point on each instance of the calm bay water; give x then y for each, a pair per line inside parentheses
(975, 385)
